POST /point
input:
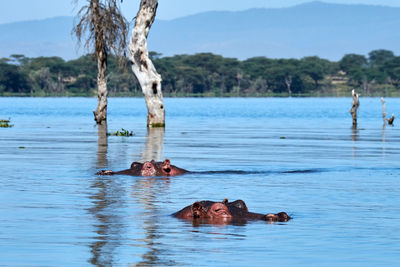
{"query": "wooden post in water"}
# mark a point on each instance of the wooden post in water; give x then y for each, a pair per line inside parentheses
(354, 108)
(383, 111)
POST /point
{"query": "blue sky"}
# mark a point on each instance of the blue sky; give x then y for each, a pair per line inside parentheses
(19, 10)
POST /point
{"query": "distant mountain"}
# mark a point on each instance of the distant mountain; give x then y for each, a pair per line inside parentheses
(48, 37)
(316, 28)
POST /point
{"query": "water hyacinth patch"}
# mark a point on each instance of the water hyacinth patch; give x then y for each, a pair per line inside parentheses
(5, 124)
(123, 132)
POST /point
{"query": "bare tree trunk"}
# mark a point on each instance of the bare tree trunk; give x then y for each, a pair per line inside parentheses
(100, 114)
(354, 107)
(383, 111)
(143, 67)
(288, 81)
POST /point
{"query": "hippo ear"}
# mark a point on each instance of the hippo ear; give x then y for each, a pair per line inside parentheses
(135, 165)
(196, 205)
(197, 209)
(225, 201)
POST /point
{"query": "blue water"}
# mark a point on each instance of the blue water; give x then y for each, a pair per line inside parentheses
(299, 155)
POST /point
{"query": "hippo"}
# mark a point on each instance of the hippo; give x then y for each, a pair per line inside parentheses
(226, 212)
(166, 169)
(148, 168)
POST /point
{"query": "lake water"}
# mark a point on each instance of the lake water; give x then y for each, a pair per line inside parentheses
(299, 155)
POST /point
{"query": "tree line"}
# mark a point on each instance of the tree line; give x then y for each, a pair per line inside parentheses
(207, 74)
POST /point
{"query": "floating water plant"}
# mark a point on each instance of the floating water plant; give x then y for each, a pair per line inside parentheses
(123, 132)
(5, 124)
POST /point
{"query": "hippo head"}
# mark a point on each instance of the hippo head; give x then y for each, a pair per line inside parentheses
(166, 168)
(278, 217)
(216, 213)
(148, 169)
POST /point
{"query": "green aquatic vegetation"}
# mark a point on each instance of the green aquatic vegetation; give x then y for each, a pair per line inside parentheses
(158, 125)
(122, 132)
(5, 124)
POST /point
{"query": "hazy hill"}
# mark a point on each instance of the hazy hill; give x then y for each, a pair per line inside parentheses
(326, 30)
(48, 37)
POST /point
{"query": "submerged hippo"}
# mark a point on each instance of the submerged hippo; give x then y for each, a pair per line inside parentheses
(148, 168)
(225, 212)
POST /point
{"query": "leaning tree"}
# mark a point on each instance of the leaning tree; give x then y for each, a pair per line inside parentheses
(104, 28)
(143, 67)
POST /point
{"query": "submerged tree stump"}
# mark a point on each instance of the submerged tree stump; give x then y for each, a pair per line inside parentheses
(354, 108)
(143, 67)
(391, 119)
(383, 111)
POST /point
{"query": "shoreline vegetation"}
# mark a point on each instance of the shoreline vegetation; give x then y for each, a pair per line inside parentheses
(208, 75)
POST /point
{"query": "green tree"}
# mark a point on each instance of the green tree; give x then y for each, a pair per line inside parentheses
(392, 68)
(351, 63)
(316, 68)
(12, 80)
(377, 58)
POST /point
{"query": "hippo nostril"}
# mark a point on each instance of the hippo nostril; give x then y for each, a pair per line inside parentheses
(167, 169)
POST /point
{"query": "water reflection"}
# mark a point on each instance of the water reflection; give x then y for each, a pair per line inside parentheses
(354, 133)
(154, 144)
(197, 222)
(354, 138)
(102, 145)
(107, 198)
(383, 133)
(110, 222)
(146, 190)
(383, 139)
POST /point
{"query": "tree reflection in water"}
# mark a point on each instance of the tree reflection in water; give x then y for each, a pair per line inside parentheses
(108, 197)
(102, 145)
(146, 190)
(153, 148)
(354, 138)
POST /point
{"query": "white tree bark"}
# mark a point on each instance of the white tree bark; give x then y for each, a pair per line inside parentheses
(143, 67)
(354, 108)
(100, 114)
(288, 81)
(383, 111)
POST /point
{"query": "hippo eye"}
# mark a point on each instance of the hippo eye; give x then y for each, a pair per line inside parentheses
(217, 210)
